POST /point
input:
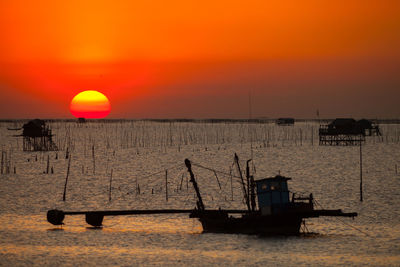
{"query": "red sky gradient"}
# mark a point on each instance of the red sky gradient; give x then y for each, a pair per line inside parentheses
(185, 59)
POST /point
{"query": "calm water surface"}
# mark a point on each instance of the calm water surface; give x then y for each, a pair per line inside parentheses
(138, 153)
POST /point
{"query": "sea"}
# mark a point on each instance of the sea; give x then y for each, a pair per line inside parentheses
(139, 164)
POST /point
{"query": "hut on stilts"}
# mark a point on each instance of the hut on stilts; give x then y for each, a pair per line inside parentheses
(347, 131)
(37, 136)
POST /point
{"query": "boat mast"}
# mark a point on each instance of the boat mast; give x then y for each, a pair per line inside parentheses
(200, 204)
(250, 187)
(243, 185)
(248, 177)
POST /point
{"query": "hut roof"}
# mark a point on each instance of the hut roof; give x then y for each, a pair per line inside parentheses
(365, 124)
(343, 122)
(35, 128)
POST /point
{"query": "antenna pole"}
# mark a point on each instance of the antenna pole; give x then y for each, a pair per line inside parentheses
(361, 190)
(248, 177)
(248, 127)
(246, 197)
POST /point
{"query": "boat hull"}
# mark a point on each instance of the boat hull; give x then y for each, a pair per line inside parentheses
(285, 224)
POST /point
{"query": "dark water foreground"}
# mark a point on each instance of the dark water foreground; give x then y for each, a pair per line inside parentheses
(330, 173)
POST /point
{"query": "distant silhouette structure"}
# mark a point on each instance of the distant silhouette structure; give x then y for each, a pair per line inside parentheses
(37, 136)
(346, 131)
(285, 121)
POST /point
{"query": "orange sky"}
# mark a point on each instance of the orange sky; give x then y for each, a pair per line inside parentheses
(201, 59)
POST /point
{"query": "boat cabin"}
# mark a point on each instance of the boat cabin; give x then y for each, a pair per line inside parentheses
(272, 194)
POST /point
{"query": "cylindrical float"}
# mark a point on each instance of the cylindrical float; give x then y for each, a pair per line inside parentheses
(94, 219)
(55, 217)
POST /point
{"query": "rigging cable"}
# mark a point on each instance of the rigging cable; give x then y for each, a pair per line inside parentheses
(316, 202)
(159, 172)
(213, 170)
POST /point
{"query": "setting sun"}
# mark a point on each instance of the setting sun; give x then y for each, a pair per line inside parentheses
(90, 105)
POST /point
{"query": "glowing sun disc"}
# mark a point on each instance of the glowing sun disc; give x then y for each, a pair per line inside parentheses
(90, 105)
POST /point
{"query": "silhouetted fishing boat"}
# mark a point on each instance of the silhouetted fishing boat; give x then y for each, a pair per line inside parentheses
(276, 214)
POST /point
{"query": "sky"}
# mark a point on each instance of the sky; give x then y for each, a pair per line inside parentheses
(202, 59)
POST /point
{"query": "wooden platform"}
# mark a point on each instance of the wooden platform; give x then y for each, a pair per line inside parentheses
(341, 140)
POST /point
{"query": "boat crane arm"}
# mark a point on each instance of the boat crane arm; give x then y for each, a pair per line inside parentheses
(200, 204)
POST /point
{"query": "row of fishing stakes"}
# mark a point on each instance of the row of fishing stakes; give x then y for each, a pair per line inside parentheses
(110, 184)
(179, 185)
(138, 134)
(6, 163)
(166, 175)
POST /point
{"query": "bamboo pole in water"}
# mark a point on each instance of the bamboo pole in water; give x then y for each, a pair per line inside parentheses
(166, 185)
(48, 164)
(109, 193)
(66, 179)
(94, 163)
(2, 161)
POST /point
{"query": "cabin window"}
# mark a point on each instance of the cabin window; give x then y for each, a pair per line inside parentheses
(264, 186)
(275, 186)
